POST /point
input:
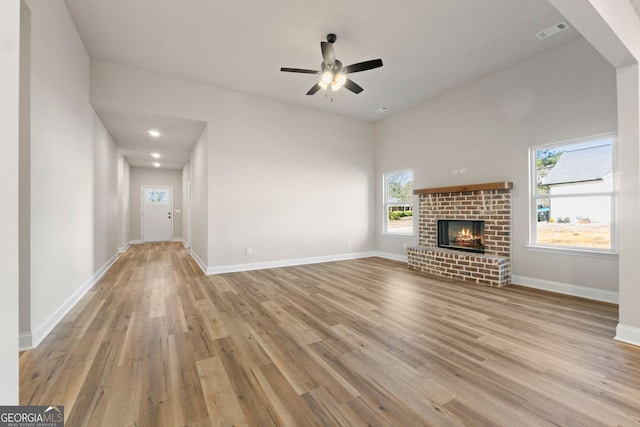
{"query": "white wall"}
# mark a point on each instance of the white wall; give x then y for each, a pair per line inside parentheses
(186, 208)
(487, 126)
(25, 172)
(73, 171)
(123, 202)
(199, 200)
(285, 188)
(287, 182)
(9, 135)
(105, 195)
(162, 177)
(628, 329)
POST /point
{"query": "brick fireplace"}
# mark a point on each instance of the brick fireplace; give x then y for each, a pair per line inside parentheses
(490, 203)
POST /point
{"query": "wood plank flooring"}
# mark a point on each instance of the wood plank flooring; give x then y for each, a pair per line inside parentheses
(350, 343)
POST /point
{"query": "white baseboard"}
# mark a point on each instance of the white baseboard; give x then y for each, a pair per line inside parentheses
(389, 255)
(178, 240)
(123, 249)
(40, 332)
(25, 341)
(567, 289)
(285, 263)
(628, 334)
(135, 242)
(199, 261)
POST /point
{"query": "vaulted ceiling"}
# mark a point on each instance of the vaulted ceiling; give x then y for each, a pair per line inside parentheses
(428, 47)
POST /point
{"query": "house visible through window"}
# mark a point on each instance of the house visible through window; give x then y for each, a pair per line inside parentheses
(573, 195)
(398, 207)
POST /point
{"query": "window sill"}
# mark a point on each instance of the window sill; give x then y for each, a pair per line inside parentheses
(386, 233)
(573, 252)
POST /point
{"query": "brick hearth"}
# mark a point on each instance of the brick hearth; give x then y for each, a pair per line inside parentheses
(490, 203)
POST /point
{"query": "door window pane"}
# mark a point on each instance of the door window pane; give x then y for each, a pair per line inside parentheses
(157, 196)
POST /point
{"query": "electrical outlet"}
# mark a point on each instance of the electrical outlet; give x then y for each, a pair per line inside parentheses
(248, 251)
(348, 243)
(463, 170)
(454, 171)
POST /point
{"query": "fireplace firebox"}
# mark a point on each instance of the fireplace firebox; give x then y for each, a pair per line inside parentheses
(462, 235)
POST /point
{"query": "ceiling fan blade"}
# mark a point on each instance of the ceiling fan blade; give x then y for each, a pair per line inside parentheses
(362, 66)
(299, 70)
(314, 89)
(328, 54)
(353, 86)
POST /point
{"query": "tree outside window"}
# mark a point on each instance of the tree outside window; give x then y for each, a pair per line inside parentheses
(398, 206)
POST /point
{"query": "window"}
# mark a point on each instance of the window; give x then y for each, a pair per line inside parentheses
(398, 202)
(573, 195)
(157, 196)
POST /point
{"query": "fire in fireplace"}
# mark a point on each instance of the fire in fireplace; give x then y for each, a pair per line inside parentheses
(462, 235)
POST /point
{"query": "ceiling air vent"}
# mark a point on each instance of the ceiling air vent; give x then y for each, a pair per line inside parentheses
(552, 30)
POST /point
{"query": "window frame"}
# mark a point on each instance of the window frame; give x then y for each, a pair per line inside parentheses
(534, 196)
(386, 205)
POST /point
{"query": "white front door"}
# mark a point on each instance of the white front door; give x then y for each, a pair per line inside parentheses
(157, 213)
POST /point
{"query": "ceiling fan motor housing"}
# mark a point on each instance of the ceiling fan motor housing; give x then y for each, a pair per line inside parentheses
(336, 67)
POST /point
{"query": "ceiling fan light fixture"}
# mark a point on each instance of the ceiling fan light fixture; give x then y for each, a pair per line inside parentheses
(338, 81)
(332, 72)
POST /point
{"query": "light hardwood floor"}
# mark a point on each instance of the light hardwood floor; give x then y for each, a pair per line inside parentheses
(362, 342)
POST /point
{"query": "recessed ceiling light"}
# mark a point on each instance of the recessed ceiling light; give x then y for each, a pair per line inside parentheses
(155, 155)
(156, 164)
(381, 110)
(154, 133)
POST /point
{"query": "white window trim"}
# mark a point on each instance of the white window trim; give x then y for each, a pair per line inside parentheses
(534, 196)
(561, 250)
(385, 205)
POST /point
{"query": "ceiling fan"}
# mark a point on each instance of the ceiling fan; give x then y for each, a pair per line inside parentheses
(332, 73)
